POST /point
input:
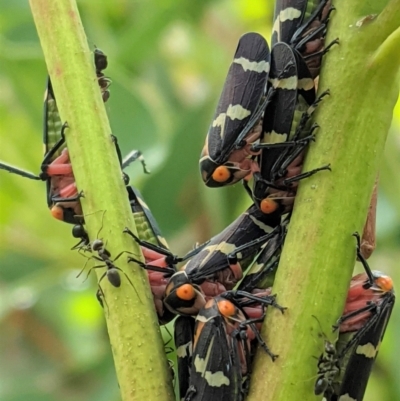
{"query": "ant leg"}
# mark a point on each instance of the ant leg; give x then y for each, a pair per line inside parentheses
(130, 282)
(88, 258)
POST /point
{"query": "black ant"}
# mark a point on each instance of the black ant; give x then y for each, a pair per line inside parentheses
(112, 271)
(328, 367)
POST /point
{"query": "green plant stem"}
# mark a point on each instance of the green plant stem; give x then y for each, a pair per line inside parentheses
(138, 350)
(318, 258)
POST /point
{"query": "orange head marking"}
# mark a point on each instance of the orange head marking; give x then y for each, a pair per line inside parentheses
(226, 308)
(385, 283)
(57, 212)
(268, 205)
(186, 292)
(221, 174)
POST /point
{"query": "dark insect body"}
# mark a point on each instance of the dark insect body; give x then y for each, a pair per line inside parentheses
(285, 135)
(56, 169)
(214, 267)
(104, 255)
(101, 63)
(221, 353)
(220, 264)
(227, 327)
(112, 272)
(328, 369)
(236, 125)
(277, 122)
(274, 189)
(223, 346)
(298, 32)
(200, 380)
(303, 25)
(369, 304)
(184, 337)
(297, 42)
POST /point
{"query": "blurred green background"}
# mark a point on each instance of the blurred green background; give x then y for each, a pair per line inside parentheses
(167, 60)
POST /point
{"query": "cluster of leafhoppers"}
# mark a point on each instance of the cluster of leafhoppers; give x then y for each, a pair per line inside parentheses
(259, 135)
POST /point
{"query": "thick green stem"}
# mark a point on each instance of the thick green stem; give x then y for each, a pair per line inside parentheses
(136, 343)
(318, 258)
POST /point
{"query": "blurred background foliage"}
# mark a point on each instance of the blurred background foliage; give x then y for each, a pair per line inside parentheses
(168, 60)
